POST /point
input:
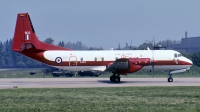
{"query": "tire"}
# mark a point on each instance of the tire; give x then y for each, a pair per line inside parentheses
(117, 79)
(112, 78)
(170, 79)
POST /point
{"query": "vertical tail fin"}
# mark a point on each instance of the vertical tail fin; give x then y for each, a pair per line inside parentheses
(25, 38)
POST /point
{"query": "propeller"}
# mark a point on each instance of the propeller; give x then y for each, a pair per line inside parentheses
(152, 60)
(152, 64)
(153, 71)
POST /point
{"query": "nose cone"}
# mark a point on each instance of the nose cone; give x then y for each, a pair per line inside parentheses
(189, 62)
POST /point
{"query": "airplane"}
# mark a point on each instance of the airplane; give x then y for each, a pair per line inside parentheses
(119, 62)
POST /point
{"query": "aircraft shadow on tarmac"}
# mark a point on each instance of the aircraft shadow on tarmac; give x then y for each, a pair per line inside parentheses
(128, 82)
(109, 82)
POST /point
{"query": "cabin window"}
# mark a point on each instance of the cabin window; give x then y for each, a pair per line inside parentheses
(102, 59)
(179, 55)
(95, 59)
(81, 59)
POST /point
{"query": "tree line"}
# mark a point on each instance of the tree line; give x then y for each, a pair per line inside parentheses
(11, 59)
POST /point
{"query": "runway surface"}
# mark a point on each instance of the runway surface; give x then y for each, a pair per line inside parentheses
(93, 82)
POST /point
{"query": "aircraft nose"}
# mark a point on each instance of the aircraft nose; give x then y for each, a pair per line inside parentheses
(189, 61)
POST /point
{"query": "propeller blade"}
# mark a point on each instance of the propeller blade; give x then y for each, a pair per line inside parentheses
(153, 72)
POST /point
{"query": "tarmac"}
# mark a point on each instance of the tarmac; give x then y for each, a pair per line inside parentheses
(6, 83)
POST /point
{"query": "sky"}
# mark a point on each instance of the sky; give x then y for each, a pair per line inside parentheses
(104, 23)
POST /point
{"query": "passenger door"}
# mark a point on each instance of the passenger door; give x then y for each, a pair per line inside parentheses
(72, 61)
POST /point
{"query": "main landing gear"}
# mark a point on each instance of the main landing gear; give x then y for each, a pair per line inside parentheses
(115, 78)
(170, 79)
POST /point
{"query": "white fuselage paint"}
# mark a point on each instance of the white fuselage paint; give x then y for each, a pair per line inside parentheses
(111, 55)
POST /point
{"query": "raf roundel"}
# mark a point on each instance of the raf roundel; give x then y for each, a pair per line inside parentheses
(58, 60)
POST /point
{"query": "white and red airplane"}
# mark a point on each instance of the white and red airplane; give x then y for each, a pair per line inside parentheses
(119, 62)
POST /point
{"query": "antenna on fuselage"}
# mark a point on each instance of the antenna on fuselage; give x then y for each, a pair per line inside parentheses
(167, 43)
(151, 43)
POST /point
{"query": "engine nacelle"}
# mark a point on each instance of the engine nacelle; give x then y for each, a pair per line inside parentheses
(124, 65)
(134, 68)
(108, 65)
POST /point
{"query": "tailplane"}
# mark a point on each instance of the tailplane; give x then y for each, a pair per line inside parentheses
(25, 39)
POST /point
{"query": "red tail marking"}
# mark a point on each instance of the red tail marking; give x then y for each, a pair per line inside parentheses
(25, 39)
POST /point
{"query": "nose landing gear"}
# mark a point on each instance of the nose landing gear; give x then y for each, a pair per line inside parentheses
(170, 79)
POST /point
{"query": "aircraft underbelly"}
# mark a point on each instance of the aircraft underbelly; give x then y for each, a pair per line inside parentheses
(166, 67)
(102, 68)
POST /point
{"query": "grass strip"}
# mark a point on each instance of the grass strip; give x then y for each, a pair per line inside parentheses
(139, 99)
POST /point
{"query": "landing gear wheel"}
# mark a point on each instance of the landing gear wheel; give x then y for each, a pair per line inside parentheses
(117, 79)
(112, 78)
(170, 79)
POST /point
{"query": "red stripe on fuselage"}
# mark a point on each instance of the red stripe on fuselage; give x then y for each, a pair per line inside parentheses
(40, 57)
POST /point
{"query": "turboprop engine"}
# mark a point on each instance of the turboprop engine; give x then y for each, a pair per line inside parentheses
(129, 65)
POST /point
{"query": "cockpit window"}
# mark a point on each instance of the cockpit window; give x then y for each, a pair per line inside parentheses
(175, 55)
